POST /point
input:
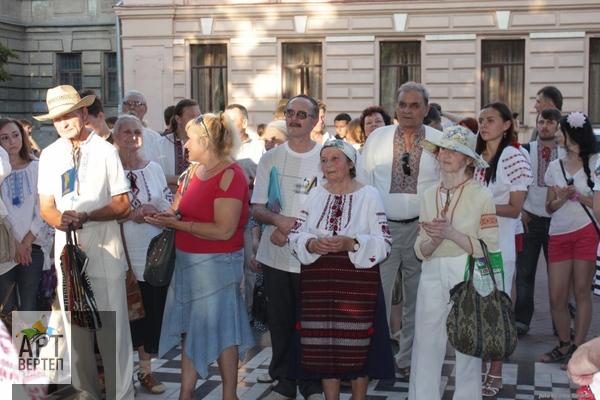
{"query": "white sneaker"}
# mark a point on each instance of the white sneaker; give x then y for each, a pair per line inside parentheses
(277, 396)
(316, 396)
(266, 378)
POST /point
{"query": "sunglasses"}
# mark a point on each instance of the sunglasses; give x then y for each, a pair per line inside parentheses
(299, 114)
(405, 165)
(200, 120)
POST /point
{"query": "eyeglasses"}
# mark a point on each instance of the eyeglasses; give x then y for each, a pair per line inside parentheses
(200, 120)
(133, 104)
(405, 165)
(289, 113)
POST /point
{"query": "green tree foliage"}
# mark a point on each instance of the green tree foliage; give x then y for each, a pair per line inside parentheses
(5, 53)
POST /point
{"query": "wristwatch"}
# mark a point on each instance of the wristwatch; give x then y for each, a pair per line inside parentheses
(308, 244)
(88, 216)
(356, 246)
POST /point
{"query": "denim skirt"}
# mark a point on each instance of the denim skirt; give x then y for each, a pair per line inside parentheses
(205, 302)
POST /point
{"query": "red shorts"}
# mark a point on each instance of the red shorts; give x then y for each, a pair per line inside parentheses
(581, 244)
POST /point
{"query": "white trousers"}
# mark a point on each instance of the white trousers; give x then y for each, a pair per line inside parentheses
(102, 243)
(438, 276)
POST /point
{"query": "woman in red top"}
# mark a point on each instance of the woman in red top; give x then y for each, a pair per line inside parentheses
(204, 296)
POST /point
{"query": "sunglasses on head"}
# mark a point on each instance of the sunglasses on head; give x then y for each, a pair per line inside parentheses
(289, 113)
(200, 120)
(405, 165)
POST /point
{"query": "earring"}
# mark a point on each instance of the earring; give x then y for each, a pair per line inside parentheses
(504, 134)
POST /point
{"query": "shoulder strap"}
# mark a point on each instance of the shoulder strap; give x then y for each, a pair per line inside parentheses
(125, 247)
(562, 167)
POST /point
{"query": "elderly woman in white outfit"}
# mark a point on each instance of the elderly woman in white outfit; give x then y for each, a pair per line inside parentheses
(455, 214)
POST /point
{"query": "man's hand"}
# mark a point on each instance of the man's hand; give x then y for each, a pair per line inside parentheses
(525, 218)
(71, 217)
(278, 238)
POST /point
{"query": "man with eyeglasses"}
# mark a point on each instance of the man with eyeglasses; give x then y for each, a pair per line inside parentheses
(134, 103)
(394, 162)
(297, 169)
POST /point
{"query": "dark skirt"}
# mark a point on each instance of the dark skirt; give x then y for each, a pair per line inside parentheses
(146, 331)
(342, 329)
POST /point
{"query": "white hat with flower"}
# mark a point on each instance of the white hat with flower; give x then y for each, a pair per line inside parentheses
(457, 138)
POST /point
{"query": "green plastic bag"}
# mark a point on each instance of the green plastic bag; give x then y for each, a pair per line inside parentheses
(481, 275)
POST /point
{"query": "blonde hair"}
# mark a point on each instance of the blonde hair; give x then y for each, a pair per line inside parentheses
(355, 132)
(221, 133)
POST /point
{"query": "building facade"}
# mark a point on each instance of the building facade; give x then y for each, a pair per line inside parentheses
(351, 54)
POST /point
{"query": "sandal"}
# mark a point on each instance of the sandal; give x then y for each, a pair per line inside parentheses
(557, 355)
(150, 383)
(483, 377)
(565, 363)
(406, 373)
(492, 386)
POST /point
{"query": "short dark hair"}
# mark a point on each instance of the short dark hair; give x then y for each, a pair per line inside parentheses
(551, 113)
(553, 94)
(240, 107)
(315, 113)
(168, 114)
(374, 110)
(432, 116)
(96, 107)
(342, 117)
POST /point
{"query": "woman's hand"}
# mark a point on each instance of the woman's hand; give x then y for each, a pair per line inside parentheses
(163, 220)
(142, 211)
(332, 244)
(22, 253)
(439, 228)
(564, 192)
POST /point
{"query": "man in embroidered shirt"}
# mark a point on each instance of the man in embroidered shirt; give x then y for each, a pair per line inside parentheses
(535, 218)
(297, 163)
(170, 151)
(81, 182)
(394, 162)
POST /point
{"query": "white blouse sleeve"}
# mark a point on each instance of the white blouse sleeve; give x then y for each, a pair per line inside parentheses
(514, 170)
(300, 232)
(376, 242)
(596, 175)
(166, 199)
(550, 178)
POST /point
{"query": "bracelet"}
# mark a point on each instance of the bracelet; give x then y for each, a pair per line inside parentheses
(575, 196)
(88, 216)
(191, 226)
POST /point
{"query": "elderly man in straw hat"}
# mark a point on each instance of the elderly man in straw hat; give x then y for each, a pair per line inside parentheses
(81, 182)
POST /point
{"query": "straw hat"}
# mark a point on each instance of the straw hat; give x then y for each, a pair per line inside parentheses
(62, 100)
(457, 138)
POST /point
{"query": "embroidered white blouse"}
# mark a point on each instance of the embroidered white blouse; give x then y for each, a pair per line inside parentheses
(148, 186)
(513, 174)
(358, 215)
(20, 195)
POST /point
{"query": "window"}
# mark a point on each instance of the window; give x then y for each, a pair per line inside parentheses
(400, 62)
(111, 79)
(302, 70)
(594, 111)
(503, 73)
(69, 70)
(209, 76)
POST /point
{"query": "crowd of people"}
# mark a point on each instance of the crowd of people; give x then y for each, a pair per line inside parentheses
(358, 235)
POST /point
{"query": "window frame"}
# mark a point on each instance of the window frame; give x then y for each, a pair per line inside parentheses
(384, 98)
(204, 94)
(594, 66)
(70, 73)
(108, 100)
(502, 66)
(304, 71)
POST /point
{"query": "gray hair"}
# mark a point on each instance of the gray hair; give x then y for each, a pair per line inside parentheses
(280, 125)
(123, 118)
(413, 87)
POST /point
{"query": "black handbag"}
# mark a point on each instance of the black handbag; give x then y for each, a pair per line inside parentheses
(481, 326)
(77, 288)
(160, 259)
(260, 301)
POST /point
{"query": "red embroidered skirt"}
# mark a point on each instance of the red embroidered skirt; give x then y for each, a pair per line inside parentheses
(338, 311)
